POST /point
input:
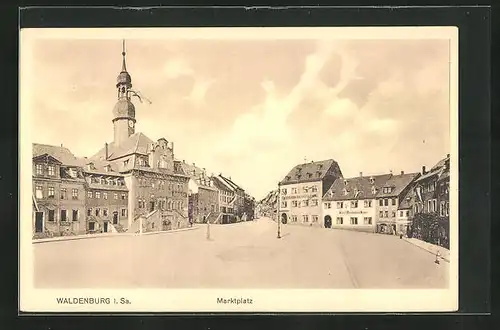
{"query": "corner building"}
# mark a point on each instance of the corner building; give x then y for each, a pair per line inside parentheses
(301, 192)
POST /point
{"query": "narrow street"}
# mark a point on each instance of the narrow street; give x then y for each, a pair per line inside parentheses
(242, 255)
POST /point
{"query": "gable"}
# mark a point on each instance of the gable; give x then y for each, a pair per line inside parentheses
(47, 159)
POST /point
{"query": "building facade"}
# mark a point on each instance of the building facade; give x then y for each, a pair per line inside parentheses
(58, 192)
(389, 199)
(351, 203)
(301, 192)
(227, 198)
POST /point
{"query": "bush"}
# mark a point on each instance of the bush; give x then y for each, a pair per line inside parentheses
(431, 228)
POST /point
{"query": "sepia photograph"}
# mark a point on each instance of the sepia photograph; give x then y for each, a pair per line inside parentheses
(239, 169)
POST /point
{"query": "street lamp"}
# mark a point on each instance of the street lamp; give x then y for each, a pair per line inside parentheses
(278, 210)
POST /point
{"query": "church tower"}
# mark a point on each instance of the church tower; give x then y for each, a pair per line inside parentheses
(124, 110)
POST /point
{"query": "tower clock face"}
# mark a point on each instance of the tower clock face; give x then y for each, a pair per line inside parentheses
(131, 123)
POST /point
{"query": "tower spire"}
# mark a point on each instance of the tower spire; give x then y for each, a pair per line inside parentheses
(124, 66)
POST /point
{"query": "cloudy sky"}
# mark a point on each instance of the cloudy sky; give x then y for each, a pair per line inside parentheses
(252, 109)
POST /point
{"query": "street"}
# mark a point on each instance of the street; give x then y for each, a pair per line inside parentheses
(242, 255)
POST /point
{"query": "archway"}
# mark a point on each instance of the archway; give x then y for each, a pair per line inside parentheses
(284, 218)
(328, 221)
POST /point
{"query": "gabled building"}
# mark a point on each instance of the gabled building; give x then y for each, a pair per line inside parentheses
(239, 200)
(390, 197)
(351, 203)
(227, 199)
(301, 192)
(267, 207)
(203, 196)
(58, 192)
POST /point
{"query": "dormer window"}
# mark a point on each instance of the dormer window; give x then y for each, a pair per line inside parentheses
(346, 192)
(374, 190)
(125, 163)
(345, 182)
(309, 175)
(107, 168)
(372, 180)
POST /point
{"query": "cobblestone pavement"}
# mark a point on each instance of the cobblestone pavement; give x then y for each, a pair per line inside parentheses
(243, 255)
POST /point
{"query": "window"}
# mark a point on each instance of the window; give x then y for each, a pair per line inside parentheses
(393, 214)
(52, 215)
(51, 192)
(283, 191)
(434, 205)
(340, 205)
(39, 192)
(294, 218)
(407, 213)
(124, 196)
(74, 193)
(152, 225)
(115, 196)
(447, 213)
(328, 205)
(367, 220)
(89, 212)
(400, 213)
(125, 163)
(386, 214)
(340, 220)
(294, 190)
(381, 202)
(91, 225)
(381, 214)
(52, 170)
(429, 205)
(38, 169)
(354, 204)
(314, 189)
(284, 204)
(294, 203)
(124, 212)
(394, 201)
(315, 218)
(305, 202)
(354, 221)
(314, 202)
(97, 194)
(97, 211)
(306, 218)
(63, 193)
(305, 189)
(75, 215)
(89, 194)
(105, 212)
(105, 195)
(368, 203)
(386, 202)
(63, 215)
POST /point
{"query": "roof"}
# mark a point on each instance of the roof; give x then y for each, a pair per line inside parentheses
(313, 171)
(357, 187)
(439, 169)
(222, 184)
(137, 143)
(62, 154)
(231, 183)
(398, 183)
(406, 202)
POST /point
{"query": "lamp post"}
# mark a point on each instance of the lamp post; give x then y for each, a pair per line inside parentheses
(278, 210)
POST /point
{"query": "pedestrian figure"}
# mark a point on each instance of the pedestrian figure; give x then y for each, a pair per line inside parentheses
(437, 257)
(208, 230)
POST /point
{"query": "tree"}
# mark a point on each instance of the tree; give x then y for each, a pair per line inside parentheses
(431, 228)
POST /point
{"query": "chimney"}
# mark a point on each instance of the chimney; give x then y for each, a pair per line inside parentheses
(106, 148)
(61, 145)
(390, 171)
(447, 155)
(184, 161)
(402, 172)
(360, 173)
(194, 164)
(423, 169)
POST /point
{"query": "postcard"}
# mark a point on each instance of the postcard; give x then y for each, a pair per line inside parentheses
(239, 169)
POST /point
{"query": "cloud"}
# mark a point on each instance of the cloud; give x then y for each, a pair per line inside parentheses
(176, 67)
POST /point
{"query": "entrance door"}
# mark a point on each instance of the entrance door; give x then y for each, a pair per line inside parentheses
(105, 226)
(328, 221)
(38, 222)
(284, 218)
(115, 218)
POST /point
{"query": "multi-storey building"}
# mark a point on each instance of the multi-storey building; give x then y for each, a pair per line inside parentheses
(238, 204)
(203, 195)
(58, 191)
(267, 207)
(106, 198)
(227, 198)
(405, 211)
(301, 192)
(350, 203)
(389, 199)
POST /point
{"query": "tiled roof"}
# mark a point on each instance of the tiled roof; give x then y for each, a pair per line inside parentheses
(357, 187)
(62, 154)
(439, 169)
(406, 202)
(222, 184)
(230, 182)
(398, 183)
(137, 143)
(313, 171)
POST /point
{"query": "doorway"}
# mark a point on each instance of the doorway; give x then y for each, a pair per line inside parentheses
(115, 218)
(284, 218)
(328, 221)
(105, 227)
(38, 222)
